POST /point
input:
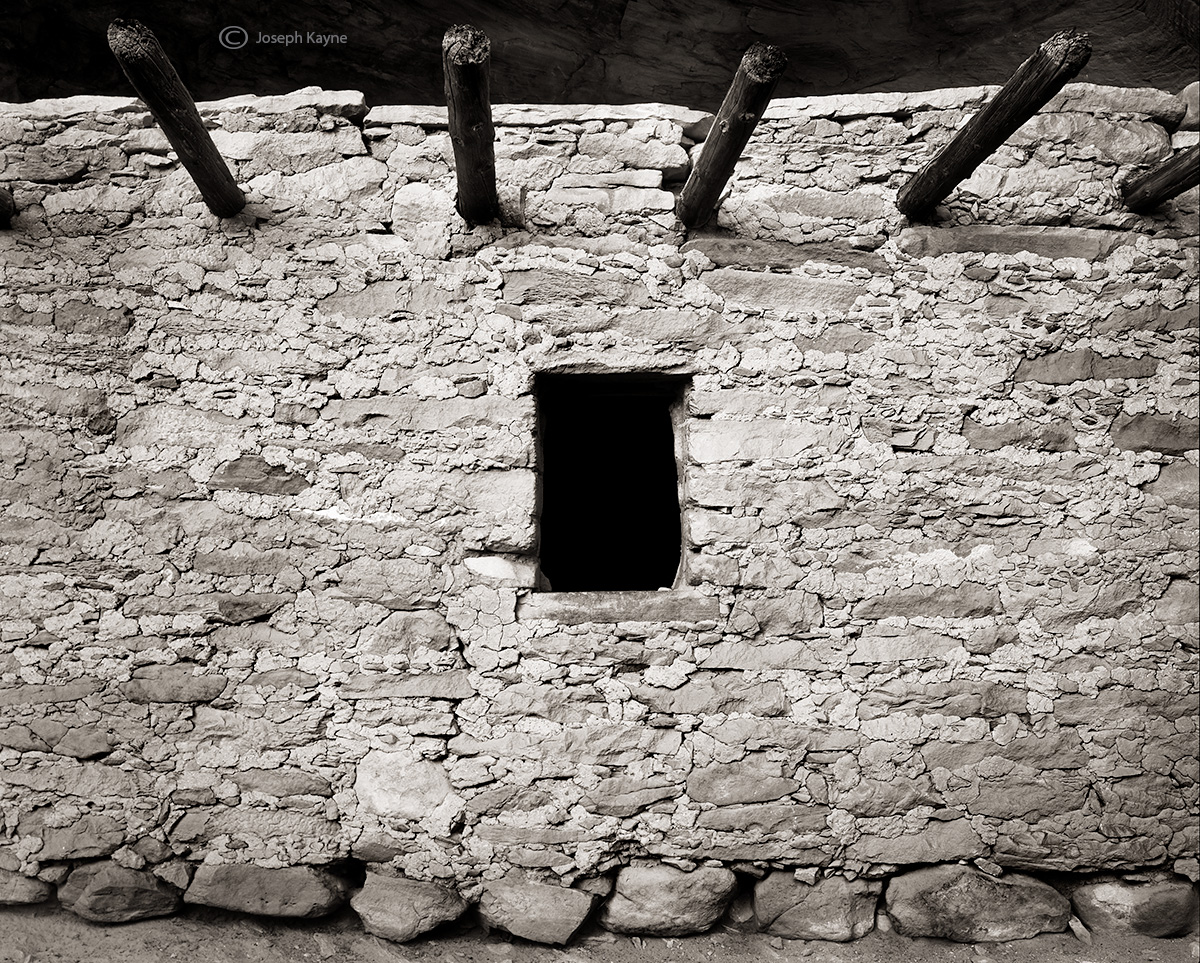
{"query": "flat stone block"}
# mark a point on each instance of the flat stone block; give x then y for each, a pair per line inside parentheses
(787, 294)
(1066, 367)
(1145, 432)
(968, 600)
(1052, 242)
(453, 684)
(575, 608)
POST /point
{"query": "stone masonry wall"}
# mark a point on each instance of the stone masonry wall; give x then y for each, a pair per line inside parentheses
(268, 487)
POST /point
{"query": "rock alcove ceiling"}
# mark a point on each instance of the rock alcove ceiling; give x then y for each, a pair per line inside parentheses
(597, 51)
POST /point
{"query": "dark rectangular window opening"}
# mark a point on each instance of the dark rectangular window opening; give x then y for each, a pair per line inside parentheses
(610, 462)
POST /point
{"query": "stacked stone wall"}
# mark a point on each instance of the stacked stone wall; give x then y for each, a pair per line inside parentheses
(268, 500)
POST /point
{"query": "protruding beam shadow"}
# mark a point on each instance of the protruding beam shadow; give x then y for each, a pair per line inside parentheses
(743, 106)
(158, 85)
(1037, 80)
(465, 54)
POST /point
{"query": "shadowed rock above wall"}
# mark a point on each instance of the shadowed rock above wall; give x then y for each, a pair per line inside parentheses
(595, 51)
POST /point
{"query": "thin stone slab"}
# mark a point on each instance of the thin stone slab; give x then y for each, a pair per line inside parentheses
(576, 608)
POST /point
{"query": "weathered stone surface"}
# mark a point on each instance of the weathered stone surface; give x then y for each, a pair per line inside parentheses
(409, 413)
(397, 785)
(787, 294)
(172, 683)
(935, 842)
(1065, 367)
(402, 909)
(91, 835)
(671, 159)
(1052, 242)
(1121, 99)
(1179, 604)
(1145, 432)
(108, 893)
(748, 781)
(45, 694)
(282, 782)
(453, 684)
(1122, 142)
(252, 473)
(758, 255)
(964, 699)
(969, 600)
(664, 901)
(716, 441)
(575, 608)
(626, 795)
(1022, 434)
(1190, 97)
(83, 317)
(17, 889)
(787, 818)
(1160, 905)
(541, 912)
(1148, 317)
(709, 692)
(1177, 483)
(834, 908)
(303, 891)
(963, 904)
(567, 287)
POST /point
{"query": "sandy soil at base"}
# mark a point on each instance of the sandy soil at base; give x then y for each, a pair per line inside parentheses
(48, 934)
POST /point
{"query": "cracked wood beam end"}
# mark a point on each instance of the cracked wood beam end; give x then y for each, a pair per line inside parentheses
(465, 53)
(1037, 80)
(145, 63)
(748, 96)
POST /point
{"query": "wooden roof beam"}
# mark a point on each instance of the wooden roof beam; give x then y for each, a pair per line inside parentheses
(465, 53)
(1170, 178)
(145, 63)
(1037, 80)
(743, 106)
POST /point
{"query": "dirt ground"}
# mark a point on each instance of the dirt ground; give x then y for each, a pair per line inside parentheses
(47, 934)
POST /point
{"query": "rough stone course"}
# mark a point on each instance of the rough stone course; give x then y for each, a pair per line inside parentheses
(269, 596)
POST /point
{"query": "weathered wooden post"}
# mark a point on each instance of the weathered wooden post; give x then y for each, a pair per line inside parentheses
(146, 65)
(743, 106)
(1173, 176)
(8, 208)
(465, 52)
(1037, 80)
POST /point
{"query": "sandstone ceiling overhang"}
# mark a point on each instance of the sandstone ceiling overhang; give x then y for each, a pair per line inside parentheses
(596, 51)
